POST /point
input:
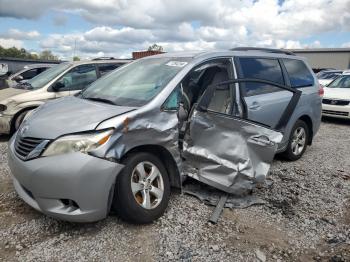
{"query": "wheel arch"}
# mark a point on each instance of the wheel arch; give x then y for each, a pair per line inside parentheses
(308, 121)
(165, 156)
(13, 121)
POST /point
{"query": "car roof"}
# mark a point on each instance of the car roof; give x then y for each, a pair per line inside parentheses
(346, 72)
(107, 61)
(39, 65)
(220, 53)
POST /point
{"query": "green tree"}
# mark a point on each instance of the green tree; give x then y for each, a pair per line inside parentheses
(76, 58)
(155, 47)
(47, 55)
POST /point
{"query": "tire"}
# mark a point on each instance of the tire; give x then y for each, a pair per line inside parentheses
(298, 141)
(134, 207)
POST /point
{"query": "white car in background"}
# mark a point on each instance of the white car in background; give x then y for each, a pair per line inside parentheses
(327, 76)
(336, 99)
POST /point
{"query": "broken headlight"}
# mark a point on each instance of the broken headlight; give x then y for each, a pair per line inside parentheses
(78, 143)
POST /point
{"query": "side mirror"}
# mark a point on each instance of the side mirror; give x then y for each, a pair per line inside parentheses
(57, 86)
(182, 113)
(18, 78)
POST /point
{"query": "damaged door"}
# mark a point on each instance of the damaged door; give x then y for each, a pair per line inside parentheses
(229, 152)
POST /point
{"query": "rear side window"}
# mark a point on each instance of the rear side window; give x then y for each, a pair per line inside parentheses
(260, 68)
(105, 68)
(299, 74)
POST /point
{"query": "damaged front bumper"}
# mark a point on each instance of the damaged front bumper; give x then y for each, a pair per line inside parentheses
(74, 187)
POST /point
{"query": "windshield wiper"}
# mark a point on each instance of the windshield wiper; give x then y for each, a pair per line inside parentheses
(99, 99)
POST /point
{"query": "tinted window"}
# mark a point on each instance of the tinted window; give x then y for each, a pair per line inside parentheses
(261, 68)
(105, 68)
(299, 74)
(29, 74)
(78, 78)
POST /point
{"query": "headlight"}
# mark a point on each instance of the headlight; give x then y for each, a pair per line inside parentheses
(78, 143)
(3, 108)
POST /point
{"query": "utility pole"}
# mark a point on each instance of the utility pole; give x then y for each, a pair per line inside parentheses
(75, 47)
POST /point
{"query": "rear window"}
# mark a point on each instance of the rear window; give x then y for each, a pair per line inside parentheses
(260, 68)
(299, 74)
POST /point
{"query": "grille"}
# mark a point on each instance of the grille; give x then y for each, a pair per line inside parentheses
(338, 113)
(335, 102)
(25, 145)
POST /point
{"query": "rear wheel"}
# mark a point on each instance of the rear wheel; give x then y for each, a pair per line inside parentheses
(142, 189)
(298, 141)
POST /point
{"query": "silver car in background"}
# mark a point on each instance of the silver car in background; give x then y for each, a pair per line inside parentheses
(122, 143)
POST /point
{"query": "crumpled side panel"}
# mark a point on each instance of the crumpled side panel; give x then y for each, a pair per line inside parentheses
(146, 128)
(228, 153)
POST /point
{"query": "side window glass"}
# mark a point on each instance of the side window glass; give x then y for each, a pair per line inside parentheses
(172, 103)
(106, 68)
(29, 74)
(78, 78)
(298, 73)
(260, 68)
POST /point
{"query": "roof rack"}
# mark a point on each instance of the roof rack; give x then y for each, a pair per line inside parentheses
(104, 58)
(268, 50)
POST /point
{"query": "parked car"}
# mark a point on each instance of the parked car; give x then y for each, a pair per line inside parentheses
(59, 81)
(336, 100)
(327, 76)
(218, 117)
(27, 73)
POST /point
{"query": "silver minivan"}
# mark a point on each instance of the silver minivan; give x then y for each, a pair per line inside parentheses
(218, 117)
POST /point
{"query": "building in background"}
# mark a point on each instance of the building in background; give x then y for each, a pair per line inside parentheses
(140, 54)
(320, 58)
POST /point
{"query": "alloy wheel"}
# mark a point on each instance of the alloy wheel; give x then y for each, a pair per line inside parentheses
(147, 185)
(298, 141)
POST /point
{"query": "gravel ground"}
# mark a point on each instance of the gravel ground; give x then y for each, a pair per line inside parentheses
(306, 218)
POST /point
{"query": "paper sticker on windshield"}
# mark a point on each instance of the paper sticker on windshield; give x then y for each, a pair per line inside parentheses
(176, 63)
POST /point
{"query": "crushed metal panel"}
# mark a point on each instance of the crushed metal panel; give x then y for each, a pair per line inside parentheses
(228, 153)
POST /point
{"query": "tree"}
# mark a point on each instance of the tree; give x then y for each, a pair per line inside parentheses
(76, 58)
(47, 55)
(155, 47)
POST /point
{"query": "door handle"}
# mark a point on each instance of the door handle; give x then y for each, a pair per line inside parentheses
(255, 106)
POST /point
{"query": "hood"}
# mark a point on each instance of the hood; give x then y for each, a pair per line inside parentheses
(10, 93)
(337, 93)
(69, 115)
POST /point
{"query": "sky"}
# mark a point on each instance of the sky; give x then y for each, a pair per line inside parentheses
(94, 28)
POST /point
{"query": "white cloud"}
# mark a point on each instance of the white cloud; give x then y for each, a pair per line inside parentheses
(16, 34)
(120, 26)
(8, 43)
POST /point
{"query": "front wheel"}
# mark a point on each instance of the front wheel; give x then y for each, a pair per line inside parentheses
(142, 189)
(298, 141)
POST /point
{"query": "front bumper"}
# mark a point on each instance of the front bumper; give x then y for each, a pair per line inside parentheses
(5, 124)
(336, 111)
(51, 184)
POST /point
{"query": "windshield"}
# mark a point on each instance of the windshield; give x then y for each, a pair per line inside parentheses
(328, 75)
(137, 83)
(42, 79)
(340, 82)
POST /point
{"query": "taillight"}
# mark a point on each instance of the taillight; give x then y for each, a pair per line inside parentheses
(321, 90)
